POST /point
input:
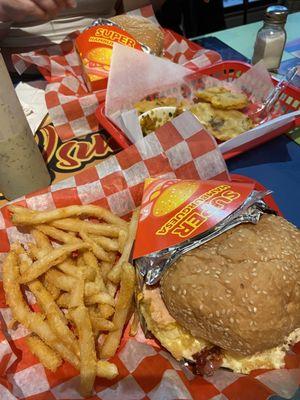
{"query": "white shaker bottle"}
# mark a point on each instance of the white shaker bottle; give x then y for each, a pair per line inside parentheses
(271, 38)
(22, 167)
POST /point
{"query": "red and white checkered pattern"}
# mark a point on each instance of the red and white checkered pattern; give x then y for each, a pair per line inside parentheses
(146, 372)
(71, 107)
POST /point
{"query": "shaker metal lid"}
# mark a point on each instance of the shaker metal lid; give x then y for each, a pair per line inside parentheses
(276, 14)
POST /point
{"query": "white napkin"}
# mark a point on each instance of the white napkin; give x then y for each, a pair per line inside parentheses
(32, 99)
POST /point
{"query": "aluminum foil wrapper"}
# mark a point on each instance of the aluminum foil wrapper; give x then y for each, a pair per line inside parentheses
(108, 22)
(152, 267)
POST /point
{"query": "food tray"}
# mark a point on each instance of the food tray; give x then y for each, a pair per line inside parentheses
(151, 367)
(225, 70)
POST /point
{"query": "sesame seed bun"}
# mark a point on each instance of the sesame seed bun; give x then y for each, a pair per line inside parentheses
(184, 346)
(241, 290)
(143, 30)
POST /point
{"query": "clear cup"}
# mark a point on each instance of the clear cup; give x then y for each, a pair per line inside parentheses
(22, 167)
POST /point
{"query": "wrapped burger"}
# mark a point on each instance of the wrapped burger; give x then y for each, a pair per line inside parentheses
(227, 294)
(95, 44)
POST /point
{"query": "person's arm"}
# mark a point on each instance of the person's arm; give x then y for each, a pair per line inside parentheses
(20, 10)
(133, 4)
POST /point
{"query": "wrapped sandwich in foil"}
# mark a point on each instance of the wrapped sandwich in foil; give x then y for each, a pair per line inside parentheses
(219, 277)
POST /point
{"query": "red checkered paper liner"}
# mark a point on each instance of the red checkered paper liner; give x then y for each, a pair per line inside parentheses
(71, 107)
(180, 149)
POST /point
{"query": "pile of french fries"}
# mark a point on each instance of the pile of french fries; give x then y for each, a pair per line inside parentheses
(77, 268)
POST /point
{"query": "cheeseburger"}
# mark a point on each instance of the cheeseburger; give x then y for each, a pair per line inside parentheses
(233, 302)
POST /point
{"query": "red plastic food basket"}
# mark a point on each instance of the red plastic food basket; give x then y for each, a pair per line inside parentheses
(225, 70)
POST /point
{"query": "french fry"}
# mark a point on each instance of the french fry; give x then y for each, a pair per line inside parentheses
(124, 300)
(24, 260)
(47, 356)
(55, 317)
(22, 313)
(105, 269)
(111, 288)
(88, 273)
(57, 234)
(99, 323)
(25, 216)
(91, 288)
(99, 282)
(90, 259)
(123, 235)
(52, 289)
(92, 262)
(107, 243)
(80, 260)
(63, 300)
(98, 251)
(69, 268)
(88, 361)
(106, 370)
(115, 274)
(17, 248)
(77, 294)
(101, 298)
(134, 324)
(42, 265)
(34, 252)
(105, 310)
(77, 225)
(42, 241)
(59, 279)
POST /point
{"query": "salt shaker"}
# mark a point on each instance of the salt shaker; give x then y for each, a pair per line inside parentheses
(271, 38)
(22, 167)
